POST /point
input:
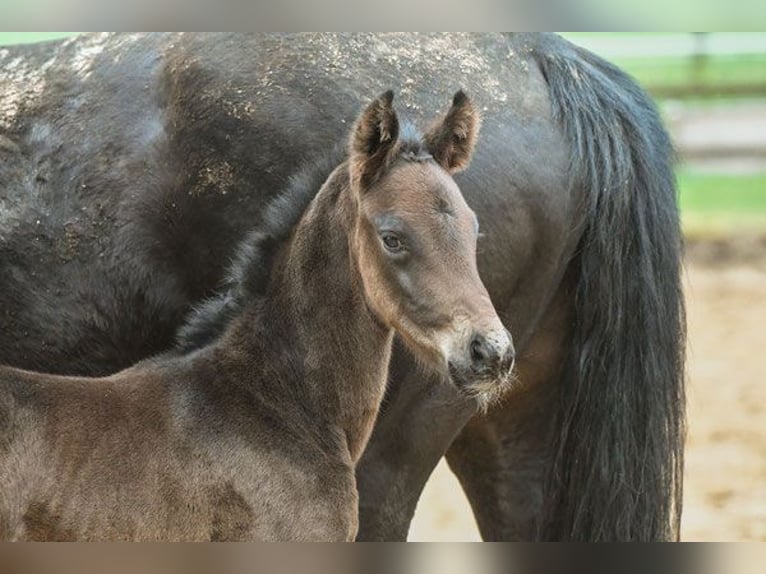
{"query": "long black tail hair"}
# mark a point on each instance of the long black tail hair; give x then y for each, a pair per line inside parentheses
(617, 462)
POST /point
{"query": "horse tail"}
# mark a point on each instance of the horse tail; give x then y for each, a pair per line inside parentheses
(617, 459)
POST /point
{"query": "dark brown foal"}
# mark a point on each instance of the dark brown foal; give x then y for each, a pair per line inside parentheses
(256, 435)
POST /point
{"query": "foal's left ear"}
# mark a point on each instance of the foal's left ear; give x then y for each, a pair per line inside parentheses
(451, 140)
(373, 140)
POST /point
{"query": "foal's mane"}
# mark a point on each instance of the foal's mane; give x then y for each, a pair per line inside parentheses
(252, 264)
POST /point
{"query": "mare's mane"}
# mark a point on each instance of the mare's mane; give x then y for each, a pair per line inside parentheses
(251, 267)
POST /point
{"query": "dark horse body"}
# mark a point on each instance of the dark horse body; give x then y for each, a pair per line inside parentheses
(132, 166)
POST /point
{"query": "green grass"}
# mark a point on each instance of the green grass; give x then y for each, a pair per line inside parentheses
(711, 76)
(712, 71)
(716, 204)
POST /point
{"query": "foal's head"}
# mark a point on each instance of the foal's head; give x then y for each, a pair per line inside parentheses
(415, 244)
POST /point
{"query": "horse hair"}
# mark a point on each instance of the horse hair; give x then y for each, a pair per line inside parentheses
(618, 477)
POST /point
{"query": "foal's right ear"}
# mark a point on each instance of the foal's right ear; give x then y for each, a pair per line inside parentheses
(373, 141)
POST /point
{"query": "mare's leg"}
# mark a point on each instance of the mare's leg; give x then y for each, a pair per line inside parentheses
(500, 458)
(421, 416)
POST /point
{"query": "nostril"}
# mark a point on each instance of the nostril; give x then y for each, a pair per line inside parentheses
(478, 350)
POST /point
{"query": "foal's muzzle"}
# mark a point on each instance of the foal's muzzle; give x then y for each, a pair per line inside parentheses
(487, 362)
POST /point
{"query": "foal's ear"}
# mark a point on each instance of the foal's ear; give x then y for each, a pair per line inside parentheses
(452, 139)
(373, 140)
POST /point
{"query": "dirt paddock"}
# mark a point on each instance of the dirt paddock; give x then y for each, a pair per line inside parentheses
(725, 485)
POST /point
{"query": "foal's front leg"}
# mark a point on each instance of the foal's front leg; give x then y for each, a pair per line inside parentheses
(421, 415)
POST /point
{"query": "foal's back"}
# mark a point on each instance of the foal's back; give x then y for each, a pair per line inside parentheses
(60, 432)
(185, 473)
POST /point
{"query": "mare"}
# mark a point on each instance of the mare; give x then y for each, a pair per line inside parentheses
(256, 435)
(131, 166)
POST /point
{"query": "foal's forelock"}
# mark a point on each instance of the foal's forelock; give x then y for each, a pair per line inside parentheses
(412, 146)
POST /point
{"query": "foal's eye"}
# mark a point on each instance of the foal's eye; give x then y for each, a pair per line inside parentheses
(392, 242)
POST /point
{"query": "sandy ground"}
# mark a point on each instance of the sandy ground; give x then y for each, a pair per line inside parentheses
(725, 485)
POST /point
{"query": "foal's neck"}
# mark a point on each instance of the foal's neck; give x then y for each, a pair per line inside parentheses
(337, 348)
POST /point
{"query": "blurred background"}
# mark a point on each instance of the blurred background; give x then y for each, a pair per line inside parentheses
(711, 90)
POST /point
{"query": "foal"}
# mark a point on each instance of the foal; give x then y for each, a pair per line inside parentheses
(256, 435)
